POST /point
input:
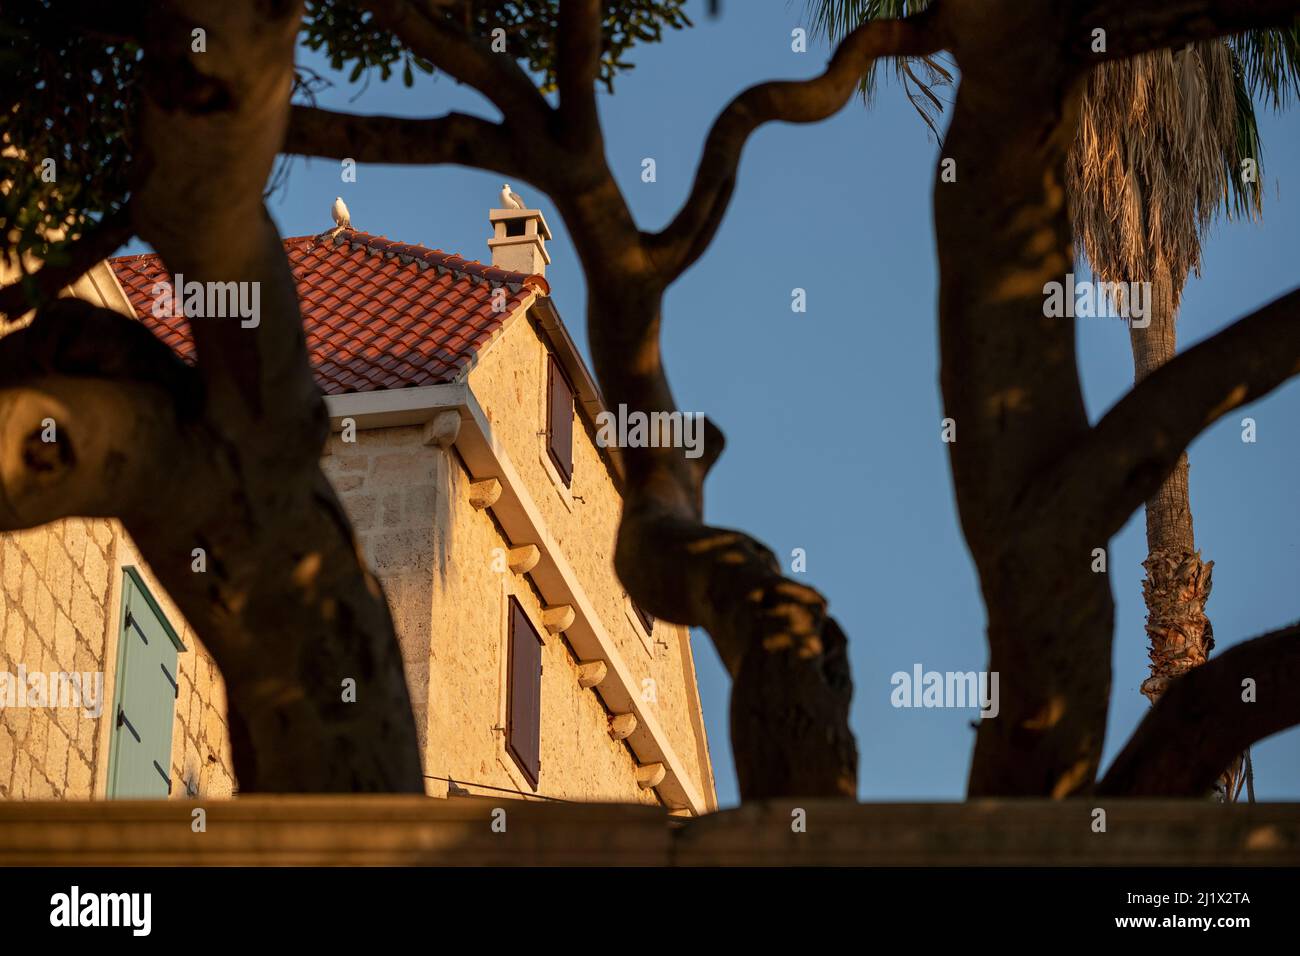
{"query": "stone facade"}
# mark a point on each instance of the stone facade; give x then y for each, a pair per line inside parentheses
(510, 380)
(60, 592)
(441, 562)
(55, 588)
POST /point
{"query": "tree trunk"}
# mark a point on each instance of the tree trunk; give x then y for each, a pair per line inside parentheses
(1009, 378)
(1178, 582)
(1177, 585)
(221, 460)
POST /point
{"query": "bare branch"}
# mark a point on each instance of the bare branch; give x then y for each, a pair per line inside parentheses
(787, 657)
(793, 101)
(1138, 442)
(99, 242)
(285, 605)
(1206, 718)
(1136, 26)
(579, 67)
(454, 138)
(209, 164)
(90, 402)
(72, 337)
(426, 29)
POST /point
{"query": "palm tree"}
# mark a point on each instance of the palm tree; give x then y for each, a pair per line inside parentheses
(1160, 149)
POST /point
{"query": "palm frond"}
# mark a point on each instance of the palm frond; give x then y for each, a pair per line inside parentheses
(1271, 63)
(1160, 143)
(1245, 199)
(836, 19)
(1157, 155)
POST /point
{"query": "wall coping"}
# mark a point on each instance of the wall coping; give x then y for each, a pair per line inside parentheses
(412, 830)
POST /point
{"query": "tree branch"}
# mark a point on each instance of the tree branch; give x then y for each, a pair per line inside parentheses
(1137, 26)
(284, 601)
(578, 70)
(787, 657)
(1201, 722)
(1137, 443)
(684, 240)
(211, 125)
(454, 138)
(90, 402)
(426, 29)
(99, 242)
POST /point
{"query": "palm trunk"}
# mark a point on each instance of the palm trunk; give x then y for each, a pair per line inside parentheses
(1178, 582)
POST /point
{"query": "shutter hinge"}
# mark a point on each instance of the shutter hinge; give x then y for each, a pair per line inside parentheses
(176, 690)
(131, 622)
(122, 720)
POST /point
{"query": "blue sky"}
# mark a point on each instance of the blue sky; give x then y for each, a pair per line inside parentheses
(832, 416)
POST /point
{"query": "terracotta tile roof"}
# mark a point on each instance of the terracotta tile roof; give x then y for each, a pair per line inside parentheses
(378, 314)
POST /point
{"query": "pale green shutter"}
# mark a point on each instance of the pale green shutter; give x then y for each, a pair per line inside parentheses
(144, 706)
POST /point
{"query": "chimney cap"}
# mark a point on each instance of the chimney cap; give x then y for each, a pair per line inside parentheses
(507, 215)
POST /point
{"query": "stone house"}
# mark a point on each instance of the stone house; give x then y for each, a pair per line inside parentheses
(464, 450)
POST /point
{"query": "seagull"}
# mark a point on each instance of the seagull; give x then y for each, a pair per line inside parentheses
(511, 199)
(340, 213)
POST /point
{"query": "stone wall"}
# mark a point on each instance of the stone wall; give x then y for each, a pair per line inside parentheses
(579, 760)
(60, 594)
(391, 486)
(201, 764)
(442, 566)
(349, 830)
(54, 591)
(510, 384)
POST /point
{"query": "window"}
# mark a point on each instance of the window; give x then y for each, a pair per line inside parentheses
(641, 623)
(524, 697)
(144, 701)
(559, 420)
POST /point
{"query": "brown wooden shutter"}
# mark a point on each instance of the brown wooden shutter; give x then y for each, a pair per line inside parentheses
(524, 700)
(559, 420)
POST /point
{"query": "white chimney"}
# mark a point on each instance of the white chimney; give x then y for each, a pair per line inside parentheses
(518, 240)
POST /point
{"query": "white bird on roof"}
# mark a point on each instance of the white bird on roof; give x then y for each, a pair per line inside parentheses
(340, 214)
(511, 199)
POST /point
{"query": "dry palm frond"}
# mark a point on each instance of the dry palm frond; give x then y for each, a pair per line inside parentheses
(1220, 79)
(1156, 144)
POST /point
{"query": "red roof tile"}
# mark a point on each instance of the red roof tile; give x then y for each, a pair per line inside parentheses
(377, 314)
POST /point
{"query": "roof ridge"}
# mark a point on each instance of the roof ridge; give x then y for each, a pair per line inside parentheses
(410, 253)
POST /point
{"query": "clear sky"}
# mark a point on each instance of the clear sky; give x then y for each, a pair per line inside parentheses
(833, 416)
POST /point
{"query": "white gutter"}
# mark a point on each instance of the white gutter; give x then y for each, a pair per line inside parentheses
(523, 523)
